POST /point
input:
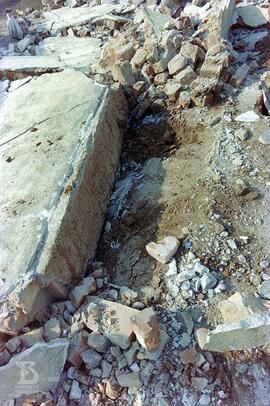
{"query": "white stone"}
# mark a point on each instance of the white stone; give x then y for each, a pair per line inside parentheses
(248, 117)
(265, 137)
(164, 250)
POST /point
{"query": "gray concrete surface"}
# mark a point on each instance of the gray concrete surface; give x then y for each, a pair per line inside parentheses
(60, 145)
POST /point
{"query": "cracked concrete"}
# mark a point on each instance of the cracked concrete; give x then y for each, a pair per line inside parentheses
(59, 142)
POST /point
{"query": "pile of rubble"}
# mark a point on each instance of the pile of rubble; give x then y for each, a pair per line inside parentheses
(110, 344)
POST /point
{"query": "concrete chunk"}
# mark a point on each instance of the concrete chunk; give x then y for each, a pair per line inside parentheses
(35, 370)
(63, 126)
(113, 321)
(246, 334)
(146, 328)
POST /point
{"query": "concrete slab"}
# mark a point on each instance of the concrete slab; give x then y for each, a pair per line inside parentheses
(18, 67)
(60, 144)
(57, 20)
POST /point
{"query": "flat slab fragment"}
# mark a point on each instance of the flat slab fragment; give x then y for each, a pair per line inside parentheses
(60, 145)
(65, 17)
(243, 335)
(20, 66)
(27, 373)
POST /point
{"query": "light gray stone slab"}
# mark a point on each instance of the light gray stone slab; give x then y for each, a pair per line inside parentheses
(35, 370)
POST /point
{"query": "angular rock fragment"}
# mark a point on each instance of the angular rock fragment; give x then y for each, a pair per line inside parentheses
(98, 342)
(113, 389)
(177, 64)
(240, 75)
(122, 73)
(91, 358)
(35, 370)
(131, 380)
(252, 15)
(164, 250)
(52, 329)
(146, 328)
(86, 287)
(113, 321)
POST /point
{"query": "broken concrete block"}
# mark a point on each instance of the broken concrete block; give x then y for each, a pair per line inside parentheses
(13, 344)
(52, 329)
(122, 73)
(161, 78)
(186, 76)
(240, 306)
(32, 337)
(226, 13)
(177, 64)
(190, 52)
(131, 380)
(79, 293)
(156, 354)
(164, 250)
(184, 99)
(24, 43)
(113, 321)
(240, 75)
(35, 370)
(243, 335)
(139, 58)
(113, 389)
(146, 329)
(172, 90)
(98, 342)
(264, 289)
(252, 15)
(91, 358)
(65, 212)
(203, 91)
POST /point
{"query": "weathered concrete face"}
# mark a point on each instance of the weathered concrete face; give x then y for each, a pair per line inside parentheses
(60, 145)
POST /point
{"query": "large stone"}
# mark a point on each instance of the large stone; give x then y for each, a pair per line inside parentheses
(177, 64)
(243, 335)
(146, 328)
(57, 20)
(86, 287)
(164, 250)
(226, 13)
(113, 321)
(60, 145)
(240, 306)
(131, 380)
(252, 15)
(35, 370)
